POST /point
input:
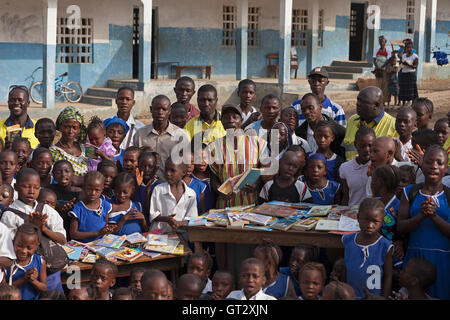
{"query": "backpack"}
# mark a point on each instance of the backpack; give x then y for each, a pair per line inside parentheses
(54, 255)
(415, 190)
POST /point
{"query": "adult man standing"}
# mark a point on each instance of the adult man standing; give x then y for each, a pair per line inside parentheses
(18, 102)
(318, 81)
(161, 135)
(125, 102)
(369, 112)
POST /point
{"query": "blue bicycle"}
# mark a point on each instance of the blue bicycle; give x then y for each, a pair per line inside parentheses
(72, 90)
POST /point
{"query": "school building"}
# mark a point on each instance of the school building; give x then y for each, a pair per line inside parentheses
(145, 39)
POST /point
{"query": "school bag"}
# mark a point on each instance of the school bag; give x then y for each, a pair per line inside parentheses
(53, 254)
(415, 190)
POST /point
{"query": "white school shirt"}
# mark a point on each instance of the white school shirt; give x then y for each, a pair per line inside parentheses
(239, 295)
(310, 139)
(208, 287)
(13, 221)
(6, 243)
(245, 116)
(408, 145)
(301, 142)
(163, 203)
(137, 125)
(356, 176)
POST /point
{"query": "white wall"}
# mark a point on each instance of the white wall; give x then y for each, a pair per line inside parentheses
(21, 21)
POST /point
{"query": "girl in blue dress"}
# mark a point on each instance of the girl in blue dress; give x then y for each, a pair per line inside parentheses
(91, 214)
(198, 186)
(425, 217)
(367, 254)
(322, 190)
(126, 215)
(28, 271)
(109, 171)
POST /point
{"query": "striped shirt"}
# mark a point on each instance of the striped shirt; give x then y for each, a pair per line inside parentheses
(331, 109)
(226, 162)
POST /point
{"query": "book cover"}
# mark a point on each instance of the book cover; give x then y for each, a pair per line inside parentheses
(250, 226)
(260, 219)
(227, 187)
(348, 224)
(150, 254)
(197, 221)
(179, 250)
(235, 219)
(319, 211)
(105, 251)
(90, 258)
(327, 225)
(219, 217)
(299, 205)
(135, 238)
(128, 254)
(68, 249)
(75, 255)
(276, 210)
(305, 224)
(172, 244)
(249, 177)
(13, 132)
(112, 241)
(157, 239)
(90, 151)
(285, 224)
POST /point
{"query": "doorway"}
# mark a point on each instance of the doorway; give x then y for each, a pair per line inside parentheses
(357, 31)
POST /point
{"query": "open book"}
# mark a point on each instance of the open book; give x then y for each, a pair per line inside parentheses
(238, 182)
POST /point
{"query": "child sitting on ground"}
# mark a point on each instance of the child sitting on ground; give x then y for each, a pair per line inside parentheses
(45, 131)
(222, 285)
(415, 278)
(368, 255)
(109, 171)
(47, 196)
(155, 285)
(103, 278)
(441, 127)
(178, 114)
(42, 163)
(90, 215)
(22, 147)
(312, 278)
(200, 264)
(424, 111)
(252, 279)
(189, 287)
(103, 147)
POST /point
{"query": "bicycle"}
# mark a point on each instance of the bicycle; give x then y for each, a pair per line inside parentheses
(72, 90)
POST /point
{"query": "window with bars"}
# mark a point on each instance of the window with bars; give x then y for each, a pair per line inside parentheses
(253, 26)
(320, 30)
(229, 26)
(74, 45)
(353, 18)
(410, 8)
(299, 27)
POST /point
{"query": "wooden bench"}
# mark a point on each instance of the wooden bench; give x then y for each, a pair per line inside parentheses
(273, 68)
(206, 68)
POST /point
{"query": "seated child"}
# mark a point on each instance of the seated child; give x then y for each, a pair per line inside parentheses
(126, 215)
(252, 279)
(172, 203)
(189, 287)
(29, 270)
(424, 110)
(178, 115)
(277, 284)
(339, 272)
(442, 130)
(202, 172)
(198, 186)
(122, 293)
(47, 196)
(9, 165)
(415, 278)
(9, 292)
(84, 292)
(353, 173)
(103, 278)
(22, 147)
(96, 133)
(45, 131)
(311, 278)
(135, 281)
(148, 166)
(155, 285)
(368, 255)
(285, 187)
(116, 130)
(300, 255)
(42, 163)
(337, 290)
(324, 136)
(89, 216)
(322, 190)
(200, 264)
(109, 171)
(222, 285)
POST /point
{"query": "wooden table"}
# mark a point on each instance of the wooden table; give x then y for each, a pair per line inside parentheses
(206, 68)
(200, 234)
(169, 63)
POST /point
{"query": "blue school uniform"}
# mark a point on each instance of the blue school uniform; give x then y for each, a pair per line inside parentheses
(109, 199)
(427, 241)
(390, 219)
(279, 288)
(210, 196)
(324, 196)
(27, 290)
(141, 192)
(90, 220)
(120, 157)
(199, 187)
(365, 264)
(287, 271)
(130, 226)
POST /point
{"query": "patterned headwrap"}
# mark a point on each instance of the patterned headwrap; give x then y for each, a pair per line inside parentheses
(71, 113)
(107, 122)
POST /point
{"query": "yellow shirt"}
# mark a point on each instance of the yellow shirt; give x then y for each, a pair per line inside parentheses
(383, 125)
(27, 131)
(447, 148)
(210, 132)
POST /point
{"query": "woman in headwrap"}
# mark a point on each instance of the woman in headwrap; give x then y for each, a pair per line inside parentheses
(70, 146)
(116, 130)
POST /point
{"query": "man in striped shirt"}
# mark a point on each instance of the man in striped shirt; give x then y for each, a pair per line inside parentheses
(318, 80)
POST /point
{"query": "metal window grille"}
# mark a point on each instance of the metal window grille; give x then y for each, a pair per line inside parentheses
(353, 17)
(229, 26)
(253, 26)
(299, 27)
(74, 45)
(320, 31)
(410, 8)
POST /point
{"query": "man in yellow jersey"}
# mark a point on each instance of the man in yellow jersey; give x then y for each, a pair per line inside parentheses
(369, 112)
(18, 102)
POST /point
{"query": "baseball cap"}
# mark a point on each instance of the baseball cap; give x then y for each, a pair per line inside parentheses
(231, 108)
(320, 71)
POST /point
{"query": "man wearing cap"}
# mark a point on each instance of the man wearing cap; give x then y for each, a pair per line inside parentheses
(18, 102)
(318, 80)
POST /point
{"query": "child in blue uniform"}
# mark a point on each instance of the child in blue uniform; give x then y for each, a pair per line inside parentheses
(198, 186)
(148, 165)
(125, 214)
(425, 218)
(367, 254)
(277, 284)
(28, 271)
(202, 172)
(322, 190)
(109, 171)
(91, 214)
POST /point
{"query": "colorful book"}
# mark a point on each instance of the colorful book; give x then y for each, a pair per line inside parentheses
(275, 210)
(327, 225)
(128, 254)
(136, 238)
(172, 244)
(304, 224)
(76, 253)
(112, 241)
(260, 219)
(13, 132)
(219, 218)
(298, 205)
(157, 239)
(235, 219)
(105, 252)
(345, 210)
(227, 187)
(319, 211)
(285, 224)
(90, 258)
(249, 177)
(179, 250)
(197, 221)
(68, 249)
(262, 228)
(150, 254)
(348, 224)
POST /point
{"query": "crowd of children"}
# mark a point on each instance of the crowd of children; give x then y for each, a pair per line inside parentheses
(402, 250)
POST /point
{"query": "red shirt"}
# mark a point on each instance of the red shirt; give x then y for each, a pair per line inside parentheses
(193, 111)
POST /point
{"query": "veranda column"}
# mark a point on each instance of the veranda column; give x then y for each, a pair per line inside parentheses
(419, 34)
(313, 26)
(431, 36)
(241, 39)
(285, 43)
(49, 52)
(145, 42)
